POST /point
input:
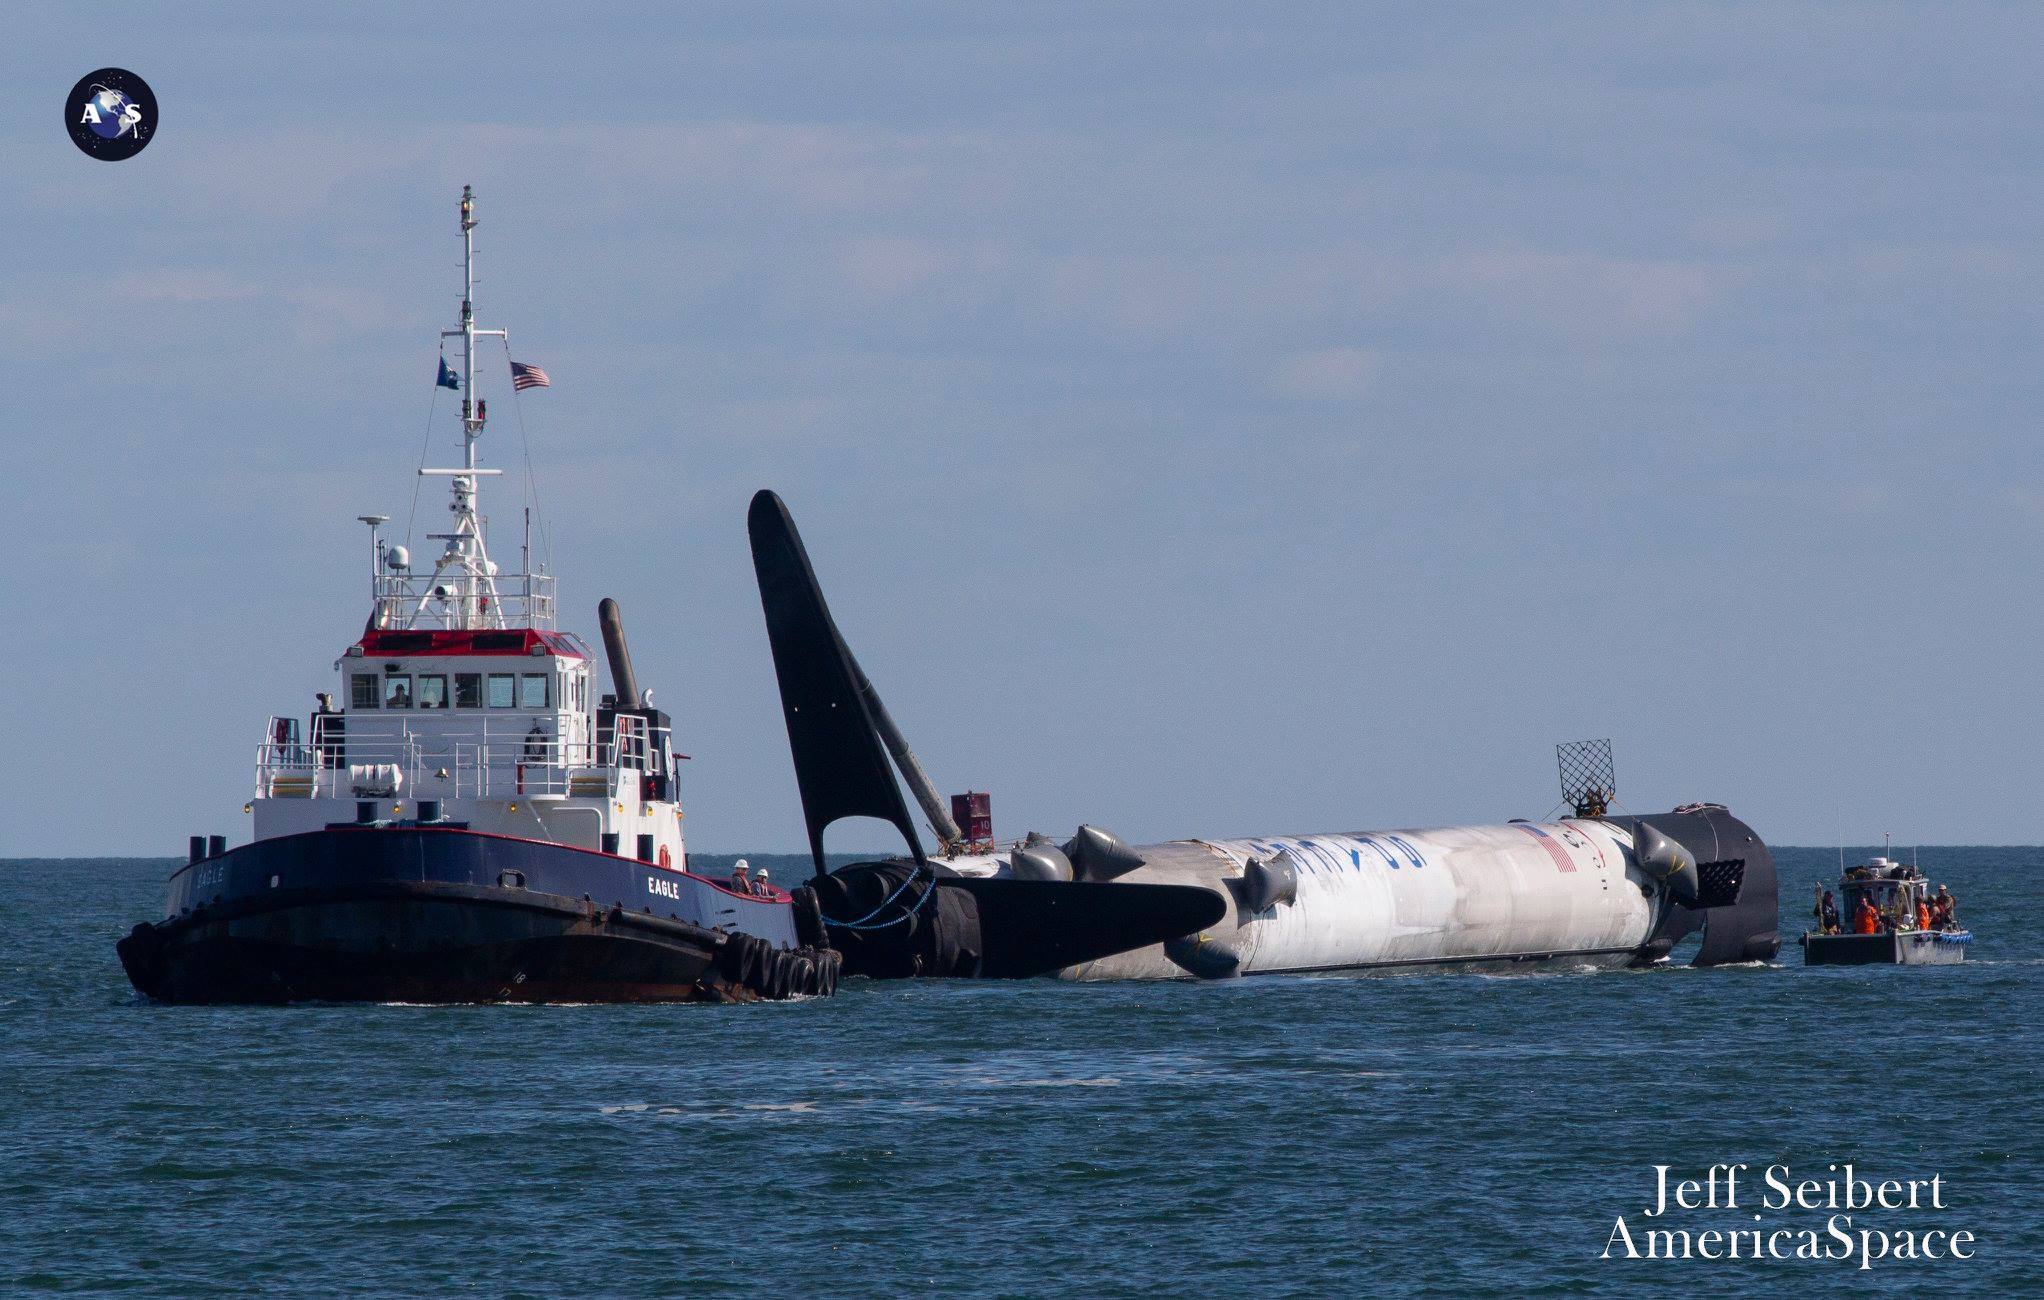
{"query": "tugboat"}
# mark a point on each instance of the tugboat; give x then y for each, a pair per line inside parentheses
(1882, 921)
(468, 823)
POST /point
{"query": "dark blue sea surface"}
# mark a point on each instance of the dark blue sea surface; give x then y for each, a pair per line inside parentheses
(1322, 1136)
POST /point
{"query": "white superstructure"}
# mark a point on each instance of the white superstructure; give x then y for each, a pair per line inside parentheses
(462, 702)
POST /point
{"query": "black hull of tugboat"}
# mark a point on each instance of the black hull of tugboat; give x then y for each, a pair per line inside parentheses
(397, 915)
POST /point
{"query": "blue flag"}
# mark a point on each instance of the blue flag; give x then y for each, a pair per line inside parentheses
(448, 379)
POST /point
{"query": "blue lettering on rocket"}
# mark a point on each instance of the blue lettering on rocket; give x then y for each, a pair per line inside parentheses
(1389, 860)
(1409, 851)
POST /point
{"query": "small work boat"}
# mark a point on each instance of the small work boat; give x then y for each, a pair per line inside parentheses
(1882, 905)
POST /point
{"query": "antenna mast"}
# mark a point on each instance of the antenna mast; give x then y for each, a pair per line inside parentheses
(471, 422)
(474, 603)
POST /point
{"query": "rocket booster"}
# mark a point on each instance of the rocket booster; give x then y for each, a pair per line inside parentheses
(1521, 892)
(1597, 889)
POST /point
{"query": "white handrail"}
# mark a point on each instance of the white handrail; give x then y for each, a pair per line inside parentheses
(498, 757)
(407, 601)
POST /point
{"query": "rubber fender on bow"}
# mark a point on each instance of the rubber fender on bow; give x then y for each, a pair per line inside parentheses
(809, 931)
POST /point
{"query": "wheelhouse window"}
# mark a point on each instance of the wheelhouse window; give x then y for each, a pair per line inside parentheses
(362, 693)
(468, 690)
(503, 691)
(532, 691)
(432, 691)
(397, 691)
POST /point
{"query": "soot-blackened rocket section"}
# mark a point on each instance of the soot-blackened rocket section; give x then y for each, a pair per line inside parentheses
(898, 918)
(840, 767)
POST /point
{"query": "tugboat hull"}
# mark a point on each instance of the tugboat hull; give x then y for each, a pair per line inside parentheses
(1905, 948)
(410, 914)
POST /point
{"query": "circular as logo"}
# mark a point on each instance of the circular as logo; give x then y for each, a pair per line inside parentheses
(111, 114)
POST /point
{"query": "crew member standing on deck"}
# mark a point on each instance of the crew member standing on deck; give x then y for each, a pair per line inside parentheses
(1827, 914)
(327, 723)
(1865, 920)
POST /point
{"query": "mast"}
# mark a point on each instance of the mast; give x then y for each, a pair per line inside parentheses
(473, 600)
(463, 591)
(470, 425)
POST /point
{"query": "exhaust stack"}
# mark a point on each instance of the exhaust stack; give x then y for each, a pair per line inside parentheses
(622, 679)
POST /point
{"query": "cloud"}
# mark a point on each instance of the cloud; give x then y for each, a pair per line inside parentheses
(882, 269)
(1326, 375)
(1587, 294)
(189, 284)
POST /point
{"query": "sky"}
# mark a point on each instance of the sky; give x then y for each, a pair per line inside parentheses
(1204, 420)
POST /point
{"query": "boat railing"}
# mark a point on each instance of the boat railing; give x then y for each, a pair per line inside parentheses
(508, 769)
(627, 740)
(354, 755)
(450, 600)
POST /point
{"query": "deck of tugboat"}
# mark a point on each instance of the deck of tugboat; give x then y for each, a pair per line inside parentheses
(612, 790)
(454, 756)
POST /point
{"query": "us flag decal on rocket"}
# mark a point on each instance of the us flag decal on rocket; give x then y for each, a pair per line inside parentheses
(1562, 861)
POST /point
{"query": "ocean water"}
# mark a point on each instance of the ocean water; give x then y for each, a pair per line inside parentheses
(1323, 1136)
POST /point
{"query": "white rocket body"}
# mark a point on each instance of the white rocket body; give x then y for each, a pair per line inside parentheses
(1523, 891)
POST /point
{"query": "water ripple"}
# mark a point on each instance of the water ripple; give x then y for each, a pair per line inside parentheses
(1442, 1133)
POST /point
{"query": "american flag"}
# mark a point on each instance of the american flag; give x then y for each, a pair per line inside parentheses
(1562, 861)
(524, 377)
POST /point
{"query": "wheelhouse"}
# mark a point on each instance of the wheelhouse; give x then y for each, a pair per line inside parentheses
(456, 715)
(1895, 890)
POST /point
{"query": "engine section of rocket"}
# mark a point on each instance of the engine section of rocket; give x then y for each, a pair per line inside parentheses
(1596, 888)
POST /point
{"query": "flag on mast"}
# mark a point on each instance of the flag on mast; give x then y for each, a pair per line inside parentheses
(524, 377)
(448, 379)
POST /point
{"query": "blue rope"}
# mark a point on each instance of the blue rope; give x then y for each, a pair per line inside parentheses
(906, 881)
(906, 912)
